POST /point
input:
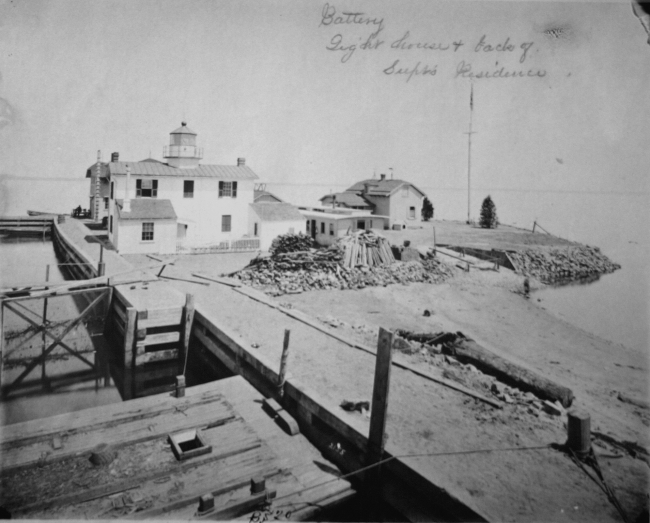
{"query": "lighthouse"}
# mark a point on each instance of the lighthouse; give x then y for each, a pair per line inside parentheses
(182, 151)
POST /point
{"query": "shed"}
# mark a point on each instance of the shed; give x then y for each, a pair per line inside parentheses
(148, 227)
(267, 221)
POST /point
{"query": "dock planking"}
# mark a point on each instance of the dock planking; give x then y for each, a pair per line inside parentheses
(46, 469)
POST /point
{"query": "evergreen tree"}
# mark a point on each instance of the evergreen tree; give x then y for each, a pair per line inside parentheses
(489, 219)
(427, 209)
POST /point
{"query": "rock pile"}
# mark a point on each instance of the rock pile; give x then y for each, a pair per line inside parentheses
(291, 243)
(562, 264)
(296, 272)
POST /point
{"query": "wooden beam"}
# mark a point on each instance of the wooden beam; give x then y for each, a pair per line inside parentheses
(2, 337)
(158, 339)
(283, 362)
(188, 318)
(377, 435)
(54, 344)
(129, 336)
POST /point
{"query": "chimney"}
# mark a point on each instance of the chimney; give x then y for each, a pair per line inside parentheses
(365, 188)
(127, 202)
(383, 177)
(115, 157)
(241, 162)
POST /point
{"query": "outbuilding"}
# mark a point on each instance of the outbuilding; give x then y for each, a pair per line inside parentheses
(143, 226)
(267, 221)
(327, 227)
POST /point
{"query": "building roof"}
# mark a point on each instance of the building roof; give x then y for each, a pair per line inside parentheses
(260, 196)
(147, 209)
(337, 217)
(152, 160)
(380, 187)
(183, 129)
(349, 199)
(277, 212)
(226, 172)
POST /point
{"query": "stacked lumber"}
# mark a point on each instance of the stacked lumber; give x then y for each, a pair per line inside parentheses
(365, 248)
(568, 264)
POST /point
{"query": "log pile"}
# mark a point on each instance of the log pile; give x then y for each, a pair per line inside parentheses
(291, 243)
(567, 264)
(365, 248)
(322, 269)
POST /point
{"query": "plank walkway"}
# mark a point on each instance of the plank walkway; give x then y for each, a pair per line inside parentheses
(46, 471)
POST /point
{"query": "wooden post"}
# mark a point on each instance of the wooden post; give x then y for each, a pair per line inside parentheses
(377, 436)
(534, 224)
(47, 278)
(579, 432)
(101, 266)
(129, 336)
(188, 316)
(434, 240)
(2, 337)
(283, 363)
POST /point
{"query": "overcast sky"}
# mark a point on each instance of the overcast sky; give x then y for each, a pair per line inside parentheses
(279, 84)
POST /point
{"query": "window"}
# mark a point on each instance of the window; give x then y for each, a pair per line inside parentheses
(147, 231)
(255, 230)
(146, 188)
(110, 224)
(105, 203)
(412, 213)
(226, 223)
(322, 227)
(331, 229)
(227, 189)
(308, 224)
(188, 189)
(361, 224)
(112, 190)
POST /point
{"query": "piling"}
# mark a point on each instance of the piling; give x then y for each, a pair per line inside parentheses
(579, 432)
(283, 363)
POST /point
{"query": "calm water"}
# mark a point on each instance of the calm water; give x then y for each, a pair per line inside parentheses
(24, 261)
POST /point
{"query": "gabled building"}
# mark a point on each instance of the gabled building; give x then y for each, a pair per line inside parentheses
(211, 202)
(261, 195)
(399, 200)
(267, 220)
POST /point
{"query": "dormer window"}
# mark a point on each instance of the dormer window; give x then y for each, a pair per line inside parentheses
(227, 189)
(146, 188)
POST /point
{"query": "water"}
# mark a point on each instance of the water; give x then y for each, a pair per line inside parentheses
(70, 383)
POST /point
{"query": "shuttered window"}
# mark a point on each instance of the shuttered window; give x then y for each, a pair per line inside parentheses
(146, 188)
(227, 189)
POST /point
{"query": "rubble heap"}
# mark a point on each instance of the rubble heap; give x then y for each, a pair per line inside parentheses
(291, 243)
(295, 272)
(365, 248)
(562, 264)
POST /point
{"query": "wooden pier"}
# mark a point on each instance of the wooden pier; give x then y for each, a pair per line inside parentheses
(119, 461)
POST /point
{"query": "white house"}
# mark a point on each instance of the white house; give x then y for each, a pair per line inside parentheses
(211, 202)
(399, 200)
(327, 226)
(268, 220)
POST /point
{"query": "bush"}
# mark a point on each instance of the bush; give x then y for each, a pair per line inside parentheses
(427, 209)
(291, 243)
(489, 219)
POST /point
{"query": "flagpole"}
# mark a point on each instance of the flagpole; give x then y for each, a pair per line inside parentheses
(469, 151)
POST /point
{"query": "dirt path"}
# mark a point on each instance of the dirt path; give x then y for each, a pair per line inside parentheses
(425, 417)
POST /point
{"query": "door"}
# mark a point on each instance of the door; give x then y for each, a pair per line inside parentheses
(313, 229)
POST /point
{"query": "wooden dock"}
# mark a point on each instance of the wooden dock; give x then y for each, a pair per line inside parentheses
(119, 461)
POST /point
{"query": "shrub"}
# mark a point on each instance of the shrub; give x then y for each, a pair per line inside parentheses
(427, 209)
(489, 219)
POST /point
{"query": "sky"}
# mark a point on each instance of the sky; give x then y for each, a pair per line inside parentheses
(289, 86)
